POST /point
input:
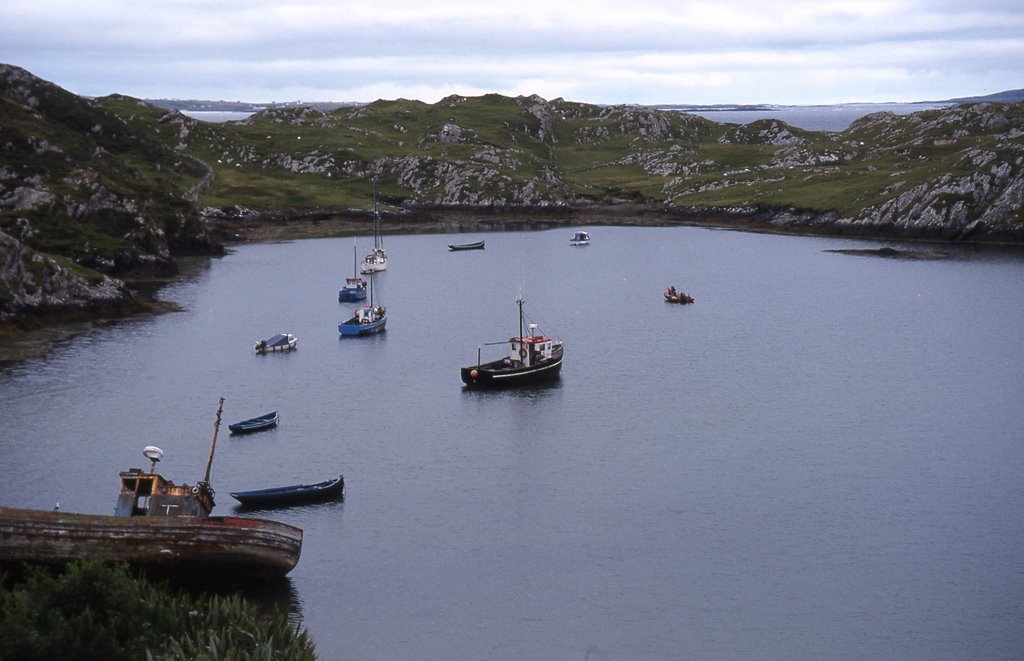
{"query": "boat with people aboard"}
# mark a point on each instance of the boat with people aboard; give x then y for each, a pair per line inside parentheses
(259, 423)
(293, 494)
(276, 343)
(580, 239)
(367, 320)
(532, 358)
(673, 296)
(157, 525)
(479, 245)
(355, 287)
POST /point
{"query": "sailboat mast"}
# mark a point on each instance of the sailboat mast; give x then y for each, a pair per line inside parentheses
(376, 218)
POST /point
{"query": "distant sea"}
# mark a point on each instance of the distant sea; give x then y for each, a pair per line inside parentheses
(811, 118)
(216, 115)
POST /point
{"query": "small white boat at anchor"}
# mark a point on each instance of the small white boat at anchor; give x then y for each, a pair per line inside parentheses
(279, 342)
(580, 239)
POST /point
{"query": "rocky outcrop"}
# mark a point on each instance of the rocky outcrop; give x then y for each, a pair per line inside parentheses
(100, 184)
(35, 285)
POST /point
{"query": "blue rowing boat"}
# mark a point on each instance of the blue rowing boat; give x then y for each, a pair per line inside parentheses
(290, 495)
(259, 423)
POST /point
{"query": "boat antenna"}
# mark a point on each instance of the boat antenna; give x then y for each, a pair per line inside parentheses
(519, 302)
(213, 445)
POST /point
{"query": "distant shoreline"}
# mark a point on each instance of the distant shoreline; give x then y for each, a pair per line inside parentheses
(837, 117)
(270, 225)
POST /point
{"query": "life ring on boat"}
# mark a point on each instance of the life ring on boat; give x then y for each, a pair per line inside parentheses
(522, 352)
(195, 489)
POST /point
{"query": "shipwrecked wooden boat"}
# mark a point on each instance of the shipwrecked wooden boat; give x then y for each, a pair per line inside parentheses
(157, 525)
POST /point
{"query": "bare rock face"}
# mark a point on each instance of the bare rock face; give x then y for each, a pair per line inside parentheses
(981, 197)
(36, 284)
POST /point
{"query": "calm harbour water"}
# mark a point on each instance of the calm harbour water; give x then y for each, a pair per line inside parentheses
(820, 458)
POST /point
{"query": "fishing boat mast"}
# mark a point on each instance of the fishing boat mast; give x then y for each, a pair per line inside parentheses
(213, 445)
(519, 302)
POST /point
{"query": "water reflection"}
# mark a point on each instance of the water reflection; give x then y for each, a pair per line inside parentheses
(305, 510)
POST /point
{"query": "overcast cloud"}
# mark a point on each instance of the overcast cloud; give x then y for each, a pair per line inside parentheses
(596, 51)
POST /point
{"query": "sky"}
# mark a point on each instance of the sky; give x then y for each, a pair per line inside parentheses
(788, 52)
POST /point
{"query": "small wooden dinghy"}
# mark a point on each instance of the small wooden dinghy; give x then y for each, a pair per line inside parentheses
(290, 495)
(479, 245)
(259, 423)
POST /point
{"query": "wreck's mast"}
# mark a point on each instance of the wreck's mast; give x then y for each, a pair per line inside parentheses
(213, 445)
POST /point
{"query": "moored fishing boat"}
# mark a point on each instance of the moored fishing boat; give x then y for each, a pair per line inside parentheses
(532, 358)
(157, 524)
(580, 239)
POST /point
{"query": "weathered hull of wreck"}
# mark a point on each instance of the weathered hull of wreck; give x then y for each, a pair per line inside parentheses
(215, 546)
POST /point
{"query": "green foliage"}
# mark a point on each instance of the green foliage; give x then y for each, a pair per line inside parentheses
(94, 611)
(99, 170)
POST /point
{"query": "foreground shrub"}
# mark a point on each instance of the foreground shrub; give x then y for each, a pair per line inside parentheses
(91, 611)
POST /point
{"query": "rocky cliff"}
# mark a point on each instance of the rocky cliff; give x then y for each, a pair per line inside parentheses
(33, 285)
(101, 183)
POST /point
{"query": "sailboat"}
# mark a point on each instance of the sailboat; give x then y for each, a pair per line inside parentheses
(378, 259)
(531, 358)
(366, 320)
(355, 287)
